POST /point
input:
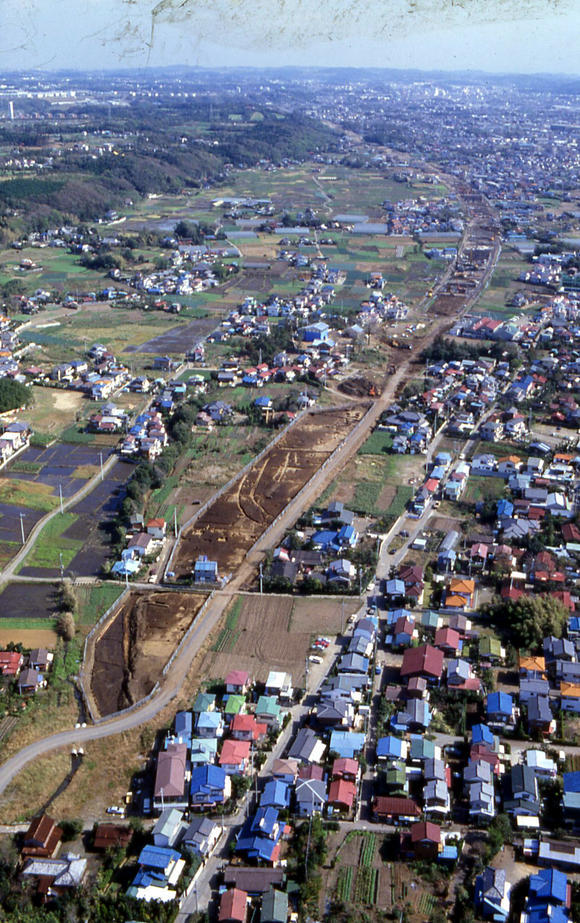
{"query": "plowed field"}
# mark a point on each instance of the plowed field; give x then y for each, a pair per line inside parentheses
(132, 651)
(228, 528)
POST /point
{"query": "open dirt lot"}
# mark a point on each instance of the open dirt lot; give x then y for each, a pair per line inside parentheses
(229, 527)
(135, 646)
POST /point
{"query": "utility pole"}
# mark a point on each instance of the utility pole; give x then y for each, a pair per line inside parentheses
(175, 521)
(261, 579)
(101, 460)
(60, 495)
(61, 566)
(22, 515)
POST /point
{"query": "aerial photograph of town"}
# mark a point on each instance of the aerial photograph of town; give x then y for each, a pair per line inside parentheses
(289, 462)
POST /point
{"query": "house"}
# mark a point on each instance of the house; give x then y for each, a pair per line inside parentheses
(40, 659)
(448, 640)
(279, 684)
(245, 727)
(209, 724)
(204, 701)
(28, 681)
(570, 697)
(238, 682)
(234, 705)
(276, 794)
(256, 881)
(391, 749)
(111, 836)
(425, 839)
(540, 717)
(532, 667)
(571, 799)
(235, 756)
(310, 797)
(209, 786)
(341, 795)
(307, 747)
(492, 894)
(201, 836)
(549, 898)
(460, 594)
(346, 743)
(10, 663)
(205, 571)
(393, 810)
(274, 907)
(268, 711)
(233, 906)
(157, 528)
(169, 828)
(260, 835)
(424, 660)
(500, 711)
(55, 876)
(522, 796)
(543, 766)
(346, 768)
(42, 839)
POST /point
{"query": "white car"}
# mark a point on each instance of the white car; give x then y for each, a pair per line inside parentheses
(314, 659)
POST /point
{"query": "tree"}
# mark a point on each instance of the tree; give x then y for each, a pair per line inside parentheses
(13, 394)
(529, 620)
(65, 625)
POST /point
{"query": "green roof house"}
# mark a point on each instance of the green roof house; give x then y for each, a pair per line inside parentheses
(268, 710)
(274, 907)
(234, 705)
(490, 649)
(204, 701)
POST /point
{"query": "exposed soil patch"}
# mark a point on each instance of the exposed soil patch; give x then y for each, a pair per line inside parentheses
(360, 386)
(33, 601)
(131, 652)
(229, 527)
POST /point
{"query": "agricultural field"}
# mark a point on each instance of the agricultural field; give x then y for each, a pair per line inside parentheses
(82, 532)
(374, 484)
(263, 633)
(363, 881)
(504, 284)
(56, 270)
(482, 488)
(130, 652)
(229, 527)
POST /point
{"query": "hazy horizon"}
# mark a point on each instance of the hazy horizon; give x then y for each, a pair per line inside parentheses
(489, 36)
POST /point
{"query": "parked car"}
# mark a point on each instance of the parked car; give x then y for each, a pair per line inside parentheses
(314, 659)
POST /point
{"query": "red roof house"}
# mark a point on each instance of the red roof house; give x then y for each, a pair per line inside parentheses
(424, 660)
(233, 906)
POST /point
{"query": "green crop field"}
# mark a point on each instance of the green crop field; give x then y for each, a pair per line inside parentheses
(35, 496)
(51, 544)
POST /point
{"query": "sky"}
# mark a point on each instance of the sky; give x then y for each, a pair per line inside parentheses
(523, 36)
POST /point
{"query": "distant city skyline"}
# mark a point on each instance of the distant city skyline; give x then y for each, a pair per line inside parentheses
(497, 36)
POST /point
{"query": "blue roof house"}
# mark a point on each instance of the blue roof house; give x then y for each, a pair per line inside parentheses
(205, 571)
(276, 794)
(209, 785)
(391, 749)
(209, 724)
(500, 709)
(158, 858)
(346, 743)
(481, 734)
(260, 834)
